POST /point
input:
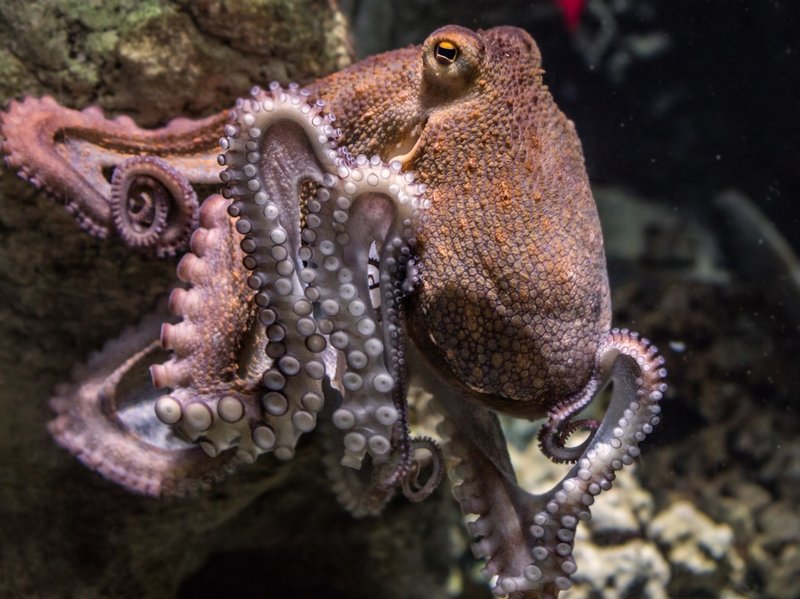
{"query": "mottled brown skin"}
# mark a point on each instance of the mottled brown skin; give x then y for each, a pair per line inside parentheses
(508, 307)
(514, 296)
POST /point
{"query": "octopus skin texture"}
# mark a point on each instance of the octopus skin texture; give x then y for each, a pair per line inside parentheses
(438, 231)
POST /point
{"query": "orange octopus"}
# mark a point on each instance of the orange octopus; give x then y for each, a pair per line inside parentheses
(439, 230)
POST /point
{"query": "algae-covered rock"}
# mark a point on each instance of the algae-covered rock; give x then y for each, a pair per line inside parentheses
(154, 59)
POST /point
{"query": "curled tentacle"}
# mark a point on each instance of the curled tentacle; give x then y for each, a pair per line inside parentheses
(106, 419)
(361, 492)
(638, 386)
(527, 539)
(553, 439)
(312, 282)
(426, 471)
(68, 154)
(559, 427)
(364, 492)
(153, 206)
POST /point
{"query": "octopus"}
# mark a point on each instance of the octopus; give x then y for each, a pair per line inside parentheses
(439, 231)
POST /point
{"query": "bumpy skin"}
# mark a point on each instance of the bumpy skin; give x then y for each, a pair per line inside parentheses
(440, 228)
(515, 295)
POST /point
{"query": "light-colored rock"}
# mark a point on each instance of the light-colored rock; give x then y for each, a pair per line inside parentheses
(632, 569)
(701, 552)
(623, 511)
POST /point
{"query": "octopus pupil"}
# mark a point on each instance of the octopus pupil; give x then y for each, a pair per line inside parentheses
(446, 53)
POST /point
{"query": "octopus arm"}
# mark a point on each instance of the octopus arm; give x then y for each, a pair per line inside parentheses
(278, 309)
(310, 214)
(214, 373)
(105, 417)
(112, 175)
(527, 538)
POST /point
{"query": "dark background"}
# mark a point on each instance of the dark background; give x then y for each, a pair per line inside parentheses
(685, 98)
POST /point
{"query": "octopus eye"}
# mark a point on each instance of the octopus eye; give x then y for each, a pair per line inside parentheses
(445, 52)
(452, 58)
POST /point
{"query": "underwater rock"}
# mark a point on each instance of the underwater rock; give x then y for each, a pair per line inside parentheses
(639, 570)
(783, 470)
(784, 573)
(699, 550)
(624, 514)
(779, 526)
(166, 57)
